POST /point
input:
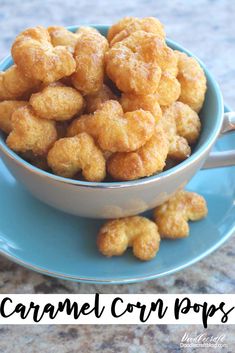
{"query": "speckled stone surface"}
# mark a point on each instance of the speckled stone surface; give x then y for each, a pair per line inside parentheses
(208, 29)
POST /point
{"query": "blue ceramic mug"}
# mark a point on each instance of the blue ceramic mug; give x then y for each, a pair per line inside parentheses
(119, 199)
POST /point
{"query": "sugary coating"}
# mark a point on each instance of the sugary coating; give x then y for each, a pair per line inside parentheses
(179, 148)
(62, 36)
(57, 102)
(136, 63)
(30, 133)
(119, 26)
(129, 71)
(94, 101)
(80, 124)
(168, 89)
(13, 84)
(89, 56)
(137, 232)
(163, 55)
(114, 130)
(36, 57)
(192, 80)
(147, 160)
(128, 25)
(172, 217)
(87, 30)
(7, 108)
(70, 155)
(188, 123)
(147, 102)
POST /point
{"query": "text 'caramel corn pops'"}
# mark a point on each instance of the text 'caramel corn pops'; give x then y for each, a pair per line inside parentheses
(139, 98)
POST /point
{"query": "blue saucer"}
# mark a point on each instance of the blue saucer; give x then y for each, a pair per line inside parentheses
(48, 241)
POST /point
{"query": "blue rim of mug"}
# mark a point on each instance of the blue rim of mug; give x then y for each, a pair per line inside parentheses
(5, 63)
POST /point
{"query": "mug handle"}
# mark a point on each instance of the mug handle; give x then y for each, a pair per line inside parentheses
(225, 158)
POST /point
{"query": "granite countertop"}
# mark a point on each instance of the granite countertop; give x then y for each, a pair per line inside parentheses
(208, 29)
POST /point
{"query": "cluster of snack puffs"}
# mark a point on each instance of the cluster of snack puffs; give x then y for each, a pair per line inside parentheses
(125, 105)
(170, 220)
